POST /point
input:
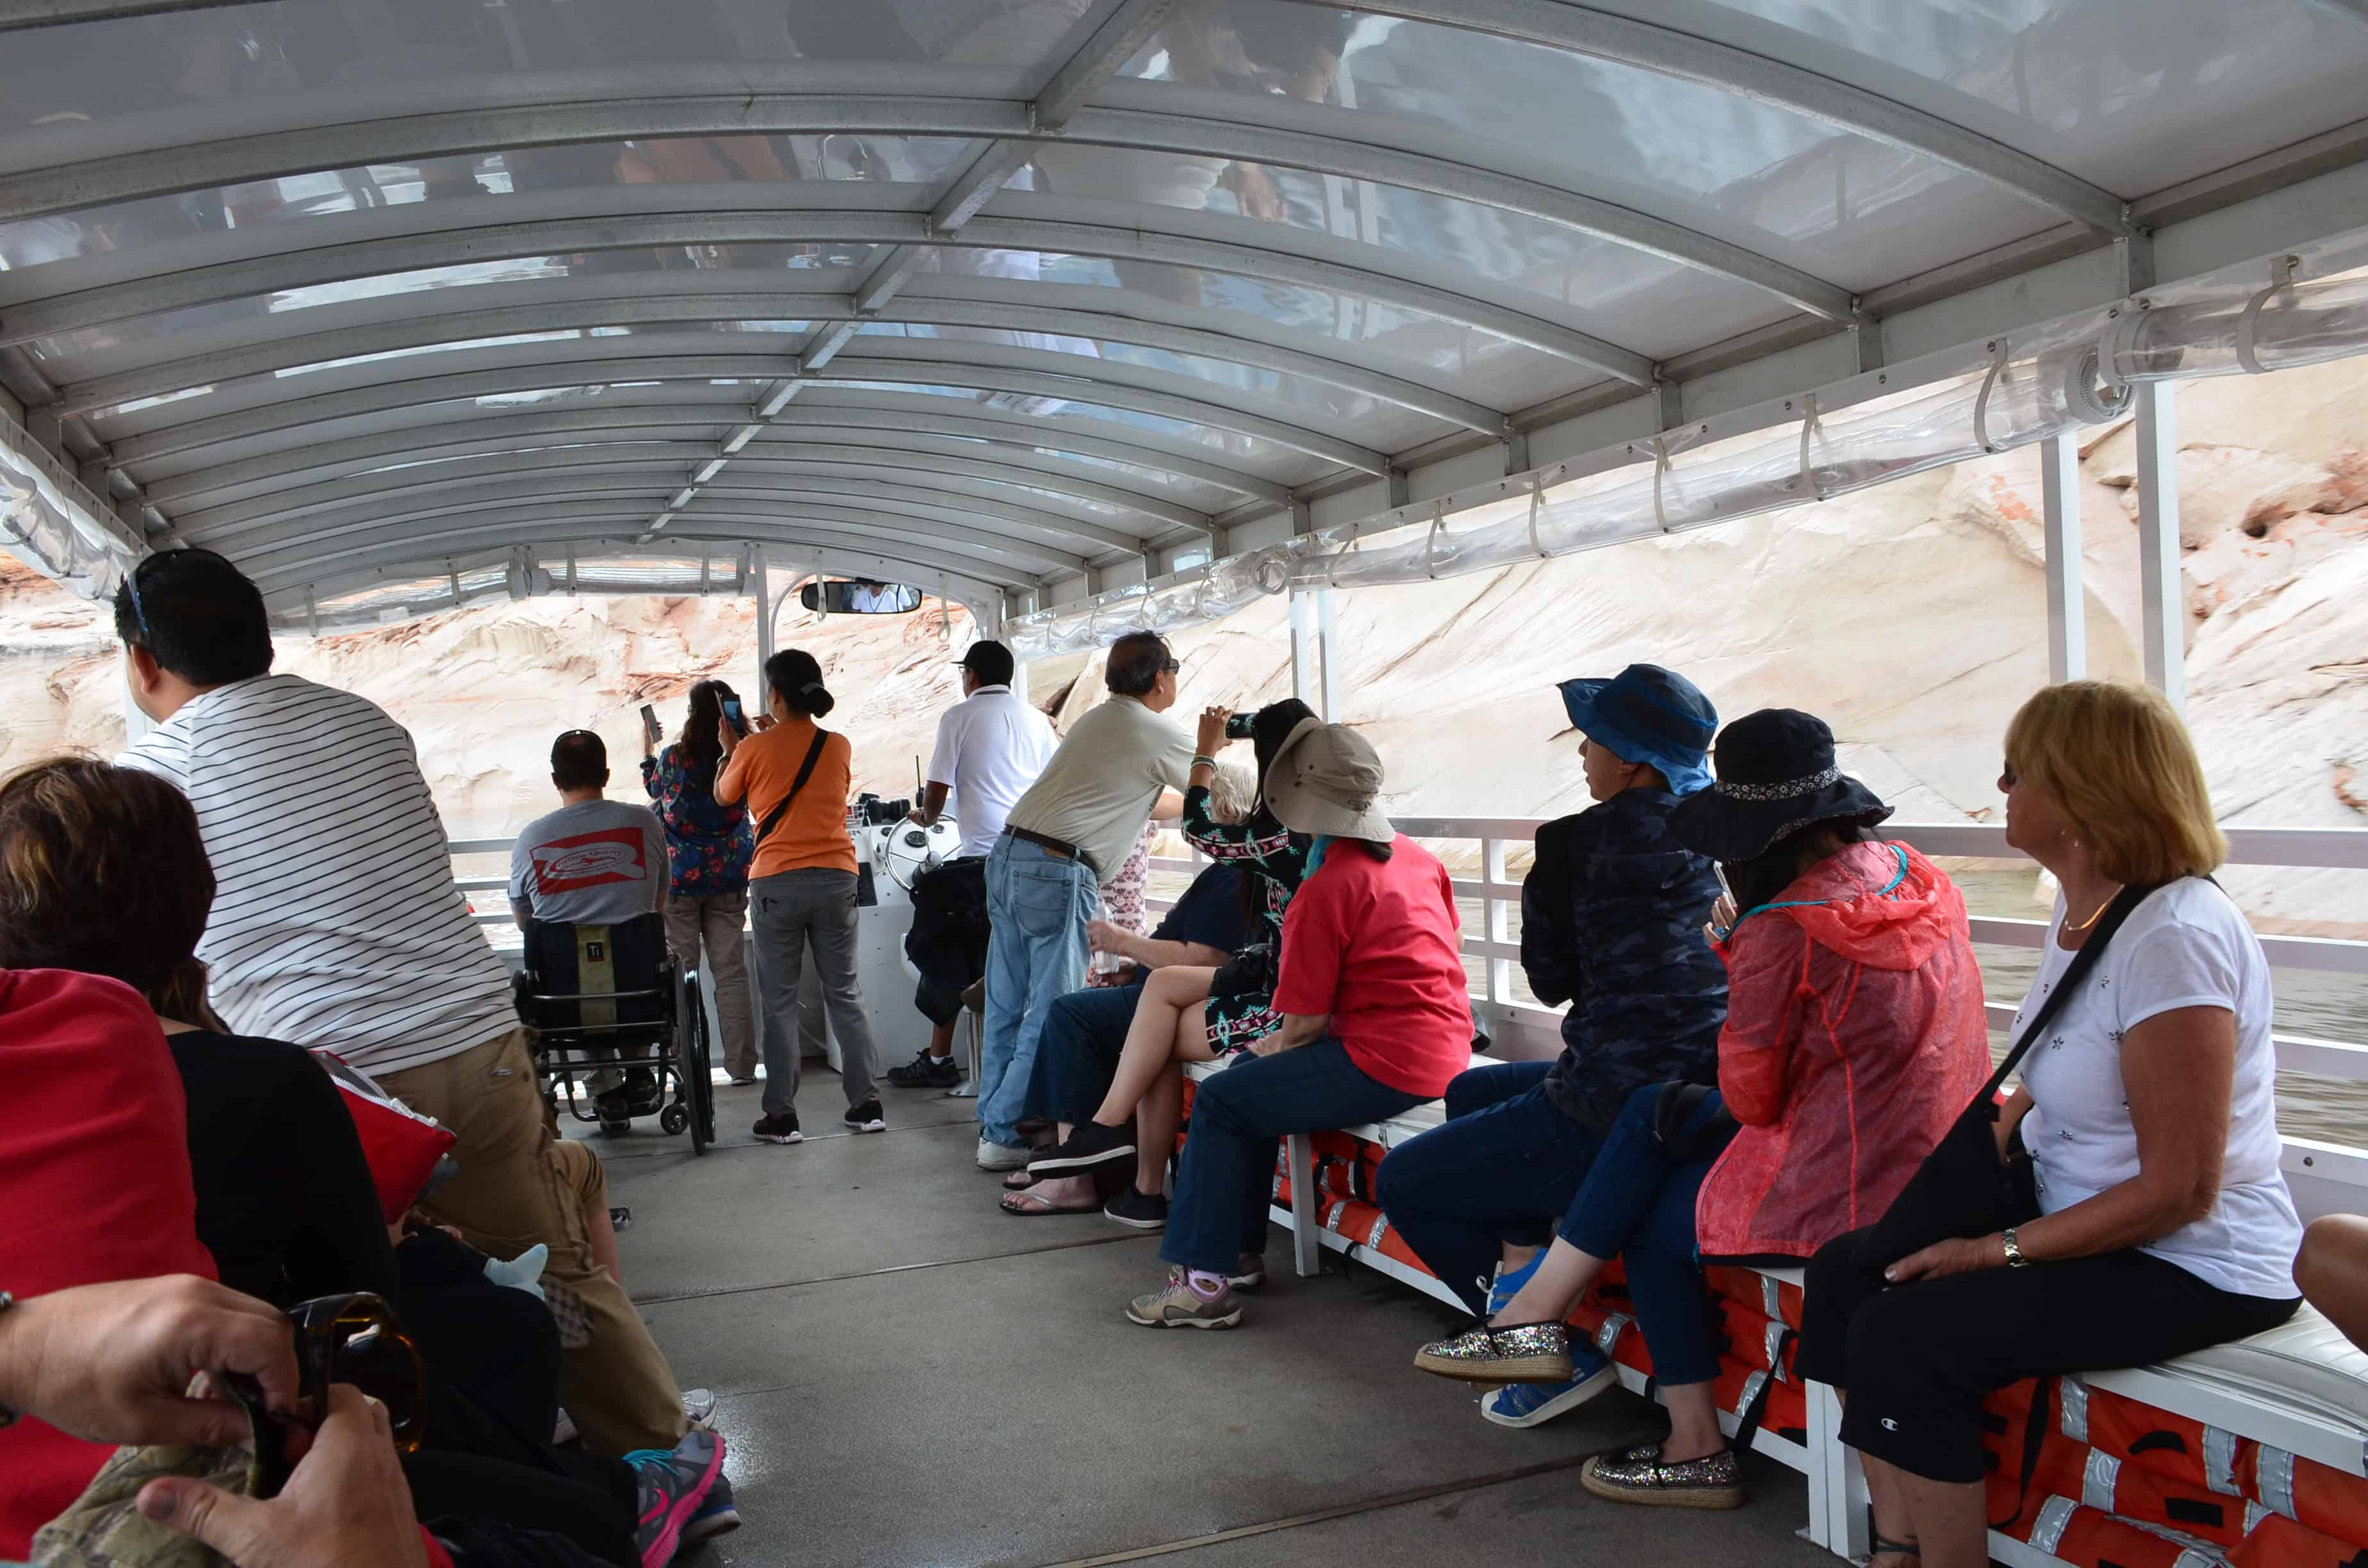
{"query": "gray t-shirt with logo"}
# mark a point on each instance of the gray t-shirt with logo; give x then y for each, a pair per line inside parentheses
(594, 863)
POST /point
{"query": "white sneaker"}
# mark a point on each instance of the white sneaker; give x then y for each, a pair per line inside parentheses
(994, 1157)
(698, 1409)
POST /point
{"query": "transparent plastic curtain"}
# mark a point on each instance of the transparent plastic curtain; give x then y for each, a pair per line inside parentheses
(40, 520)
(2009, 392)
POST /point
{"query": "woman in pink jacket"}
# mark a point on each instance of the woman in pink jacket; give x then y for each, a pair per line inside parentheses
(1854, 1034)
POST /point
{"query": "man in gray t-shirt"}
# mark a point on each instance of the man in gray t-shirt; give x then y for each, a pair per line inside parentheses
(593, 861)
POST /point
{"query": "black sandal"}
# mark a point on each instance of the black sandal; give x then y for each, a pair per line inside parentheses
(1883, 1543)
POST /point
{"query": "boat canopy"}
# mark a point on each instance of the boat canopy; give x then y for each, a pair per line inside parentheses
(1092, 313)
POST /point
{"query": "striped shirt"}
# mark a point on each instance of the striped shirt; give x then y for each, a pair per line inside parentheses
(336, 923)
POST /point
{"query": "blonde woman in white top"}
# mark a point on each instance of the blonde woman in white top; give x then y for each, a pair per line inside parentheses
(2148, 1112)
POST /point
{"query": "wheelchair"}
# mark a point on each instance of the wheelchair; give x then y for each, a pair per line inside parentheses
(617, 989)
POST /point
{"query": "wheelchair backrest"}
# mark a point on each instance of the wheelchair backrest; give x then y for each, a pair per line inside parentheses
(594, 963)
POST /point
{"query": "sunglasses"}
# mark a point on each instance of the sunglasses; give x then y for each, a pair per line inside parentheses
(138, 610)
(351, 1339)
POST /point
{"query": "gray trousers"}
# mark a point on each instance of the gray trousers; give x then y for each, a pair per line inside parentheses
(811, 907)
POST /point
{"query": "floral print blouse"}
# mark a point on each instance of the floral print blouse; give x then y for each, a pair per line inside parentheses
(710, 846)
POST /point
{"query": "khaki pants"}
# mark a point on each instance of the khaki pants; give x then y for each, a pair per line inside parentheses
(715, 924)
(515, 1188)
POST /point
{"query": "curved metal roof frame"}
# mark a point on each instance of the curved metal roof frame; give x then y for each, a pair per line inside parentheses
(1415, 366)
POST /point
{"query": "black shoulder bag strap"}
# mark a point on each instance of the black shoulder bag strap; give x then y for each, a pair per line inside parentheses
(805, 771)
(2124, 904)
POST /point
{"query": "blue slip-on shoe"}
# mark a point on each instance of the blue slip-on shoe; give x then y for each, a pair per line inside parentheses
(1534, 1404)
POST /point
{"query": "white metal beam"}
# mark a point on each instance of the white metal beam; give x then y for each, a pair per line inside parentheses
(25, 14)
(1170, 236)
(1627, 41)
(265, 352)
(2162, 596)
(2067, 605)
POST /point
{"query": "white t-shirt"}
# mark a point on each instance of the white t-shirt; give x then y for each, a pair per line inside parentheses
(594, 863)
(1098, 789)
(2187, 946)
(991, 746)
(337, 924)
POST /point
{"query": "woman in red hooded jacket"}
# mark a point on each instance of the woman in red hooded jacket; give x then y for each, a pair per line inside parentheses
(1854, 1033)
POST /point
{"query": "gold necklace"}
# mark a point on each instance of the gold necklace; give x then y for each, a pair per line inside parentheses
(2100, 912)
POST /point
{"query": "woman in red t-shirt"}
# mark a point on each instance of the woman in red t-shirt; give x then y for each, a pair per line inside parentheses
(1376, 1020)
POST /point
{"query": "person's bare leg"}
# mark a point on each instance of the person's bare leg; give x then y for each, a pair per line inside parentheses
(1693, 1422)
(1554, 1290)
(1951, 1524)
(941, 1040)
(1156, 1118)
(2333, 1273)
(1168, 996)
(1892, 1520)
(1062, 1192)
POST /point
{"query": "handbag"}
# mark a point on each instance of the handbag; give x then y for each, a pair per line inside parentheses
(1964, 1188)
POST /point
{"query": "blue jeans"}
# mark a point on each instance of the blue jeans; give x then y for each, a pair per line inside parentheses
(1076, 1055)
(1637, 1204)
(1504, 1168)
(1037, 907)
(1227, 1180)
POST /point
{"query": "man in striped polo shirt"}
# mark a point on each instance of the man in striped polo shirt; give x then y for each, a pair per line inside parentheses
(337, 925)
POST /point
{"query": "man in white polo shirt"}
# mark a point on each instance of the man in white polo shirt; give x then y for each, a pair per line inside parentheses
(991, 745)
(337, 925)
(1121, 764)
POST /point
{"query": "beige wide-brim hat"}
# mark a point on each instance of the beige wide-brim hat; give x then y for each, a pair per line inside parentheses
(1326, 779)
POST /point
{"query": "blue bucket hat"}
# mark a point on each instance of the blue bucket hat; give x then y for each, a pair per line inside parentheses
(1648, 714)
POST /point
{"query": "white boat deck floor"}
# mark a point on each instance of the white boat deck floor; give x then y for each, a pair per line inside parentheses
(907, 1376)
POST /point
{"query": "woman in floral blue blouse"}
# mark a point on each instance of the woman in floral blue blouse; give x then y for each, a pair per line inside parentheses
(710, 847)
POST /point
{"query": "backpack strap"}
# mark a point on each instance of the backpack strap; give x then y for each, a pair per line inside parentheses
(805, 771)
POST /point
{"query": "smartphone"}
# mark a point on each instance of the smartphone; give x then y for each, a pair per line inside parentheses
(651, 730)
(1240, 726)
(1720, 872)
(735, 715)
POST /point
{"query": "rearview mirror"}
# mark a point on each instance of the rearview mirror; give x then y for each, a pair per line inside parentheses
(861, 597)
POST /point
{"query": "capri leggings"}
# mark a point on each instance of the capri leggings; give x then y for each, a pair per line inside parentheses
(1918, 1360)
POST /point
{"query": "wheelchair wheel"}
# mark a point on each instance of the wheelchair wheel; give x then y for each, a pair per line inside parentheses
(696, 1102)
(673, 1119)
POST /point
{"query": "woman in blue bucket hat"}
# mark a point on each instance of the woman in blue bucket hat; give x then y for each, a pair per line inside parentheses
(1612, 919)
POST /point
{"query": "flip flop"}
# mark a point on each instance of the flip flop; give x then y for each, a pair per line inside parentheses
(1030, 1206)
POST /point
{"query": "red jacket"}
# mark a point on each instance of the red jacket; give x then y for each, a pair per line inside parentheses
(95, 1185)
(1854, 1035)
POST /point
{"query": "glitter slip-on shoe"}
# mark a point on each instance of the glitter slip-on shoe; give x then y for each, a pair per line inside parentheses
(1517, 1353)
(1638, 1475)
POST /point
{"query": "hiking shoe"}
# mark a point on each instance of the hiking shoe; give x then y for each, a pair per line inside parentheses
(926, 1072)
(994, 1157)
(865, 1118)
(1090, 1146)
(673, 1482)
(1639, 1476)
(1252, 1275)
(1534, 1404)
(782, 1127)
(1144, 1212)
(1517, 1353)
(698, 1409)
(717, 1516)
(1179, 1306)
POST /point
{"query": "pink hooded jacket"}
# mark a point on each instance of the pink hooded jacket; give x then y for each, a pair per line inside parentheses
(1854, 1036)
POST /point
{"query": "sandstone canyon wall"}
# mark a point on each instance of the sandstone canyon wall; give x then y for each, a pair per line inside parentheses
(1912, 617)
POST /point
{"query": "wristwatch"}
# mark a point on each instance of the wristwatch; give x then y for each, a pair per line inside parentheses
(2014, 1258)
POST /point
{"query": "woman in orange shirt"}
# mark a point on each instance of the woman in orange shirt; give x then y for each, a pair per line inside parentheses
(795, 776)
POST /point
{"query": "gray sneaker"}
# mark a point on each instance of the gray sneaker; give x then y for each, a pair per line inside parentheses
(674, 1484)
(1178, 1306)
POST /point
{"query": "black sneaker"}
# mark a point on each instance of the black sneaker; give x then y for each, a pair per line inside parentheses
(1143, 1211)
(1092, 1145)
(926, 1072)
(865, 1118)
(644, 1094)
(615, 1109)
(780, 1128)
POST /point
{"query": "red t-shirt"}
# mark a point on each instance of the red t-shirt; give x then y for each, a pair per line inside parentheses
(1373, 943)
(95, 1185)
